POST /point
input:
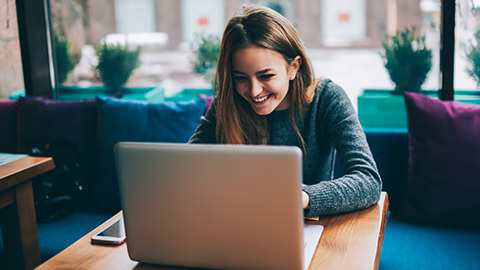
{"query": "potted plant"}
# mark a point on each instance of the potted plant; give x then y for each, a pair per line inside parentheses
(206, 56)
(473, 59)
(407, 60)
(64, 59)
(115, 65)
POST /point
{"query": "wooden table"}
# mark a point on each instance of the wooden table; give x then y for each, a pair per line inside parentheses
(349, 241)
(18, 221)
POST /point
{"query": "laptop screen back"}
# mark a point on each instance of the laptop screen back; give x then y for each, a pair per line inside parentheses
(212, 206)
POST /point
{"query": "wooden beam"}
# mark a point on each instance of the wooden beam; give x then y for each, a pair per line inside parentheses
(447, 48)
(34, 38)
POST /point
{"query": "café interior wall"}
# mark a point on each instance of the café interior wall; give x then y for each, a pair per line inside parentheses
(11, 75)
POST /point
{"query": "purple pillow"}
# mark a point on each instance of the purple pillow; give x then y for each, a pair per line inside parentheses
(208, 99)
(444, 162)
(42, 121)
(8, 122)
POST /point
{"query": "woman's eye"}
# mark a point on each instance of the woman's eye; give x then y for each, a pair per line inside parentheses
(266, 76)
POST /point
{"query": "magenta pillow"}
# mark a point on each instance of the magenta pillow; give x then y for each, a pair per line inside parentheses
(8, 124)
(208, 101)
(42, 121)
(444, 162)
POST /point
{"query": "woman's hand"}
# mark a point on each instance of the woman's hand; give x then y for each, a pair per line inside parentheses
(305, 200)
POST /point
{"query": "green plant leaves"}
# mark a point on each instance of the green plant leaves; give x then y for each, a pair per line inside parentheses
(407, 60)
(473, 59)
(64, 59)
(115, 65)
(206, 56)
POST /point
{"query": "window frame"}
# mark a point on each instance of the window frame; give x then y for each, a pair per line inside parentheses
(447, 49)
(35, 47)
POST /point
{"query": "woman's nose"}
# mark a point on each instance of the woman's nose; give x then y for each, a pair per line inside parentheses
(255, 88)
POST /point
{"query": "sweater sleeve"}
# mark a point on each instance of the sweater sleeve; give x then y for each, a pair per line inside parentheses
(205, 132)
(360, 187)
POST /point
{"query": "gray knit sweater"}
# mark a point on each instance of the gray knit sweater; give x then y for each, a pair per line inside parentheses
(330, 126)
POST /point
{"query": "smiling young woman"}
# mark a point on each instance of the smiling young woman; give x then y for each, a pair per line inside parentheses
(267, 94)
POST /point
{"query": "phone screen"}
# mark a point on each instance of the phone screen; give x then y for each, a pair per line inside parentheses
(117, 229)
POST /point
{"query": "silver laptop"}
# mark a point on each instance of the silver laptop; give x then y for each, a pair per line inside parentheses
(214, 206)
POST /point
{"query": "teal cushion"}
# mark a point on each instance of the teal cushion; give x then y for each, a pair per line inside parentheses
(412, 246)
(129, 120)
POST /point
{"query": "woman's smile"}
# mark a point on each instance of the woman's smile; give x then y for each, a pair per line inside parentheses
(261, 100)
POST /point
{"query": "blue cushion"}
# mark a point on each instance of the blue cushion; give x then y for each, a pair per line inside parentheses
(411, 246)
(129, 120)
(390, 150)
(55, 236)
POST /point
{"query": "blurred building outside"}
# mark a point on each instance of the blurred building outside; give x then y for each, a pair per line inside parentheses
(343, 37)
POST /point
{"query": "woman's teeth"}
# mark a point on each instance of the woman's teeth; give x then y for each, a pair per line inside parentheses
(259, 100)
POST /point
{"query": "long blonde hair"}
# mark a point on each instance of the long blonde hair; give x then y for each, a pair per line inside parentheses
(237, 122)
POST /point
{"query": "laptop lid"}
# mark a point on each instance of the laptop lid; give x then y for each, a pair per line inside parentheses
(212, 206)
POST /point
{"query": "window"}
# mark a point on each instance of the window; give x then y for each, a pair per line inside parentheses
(343, 38)
(467, 26)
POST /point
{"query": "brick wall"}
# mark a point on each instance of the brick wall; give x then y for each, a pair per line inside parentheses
(11, 75)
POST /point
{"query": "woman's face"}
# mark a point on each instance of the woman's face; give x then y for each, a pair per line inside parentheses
(261, 76)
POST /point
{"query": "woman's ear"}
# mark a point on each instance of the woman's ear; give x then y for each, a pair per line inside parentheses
(294, 66)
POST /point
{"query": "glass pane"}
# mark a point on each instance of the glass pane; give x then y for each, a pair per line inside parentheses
(343, 38)
(430, 11)
(347, 46)
(466, 29)
(11, 74)
(199, 16)
(134, 16)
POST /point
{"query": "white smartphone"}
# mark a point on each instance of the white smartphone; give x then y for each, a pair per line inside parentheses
(112, 235)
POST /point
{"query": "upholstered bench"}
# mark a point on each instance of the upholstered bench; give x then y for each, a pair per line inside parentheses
(97, 124)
